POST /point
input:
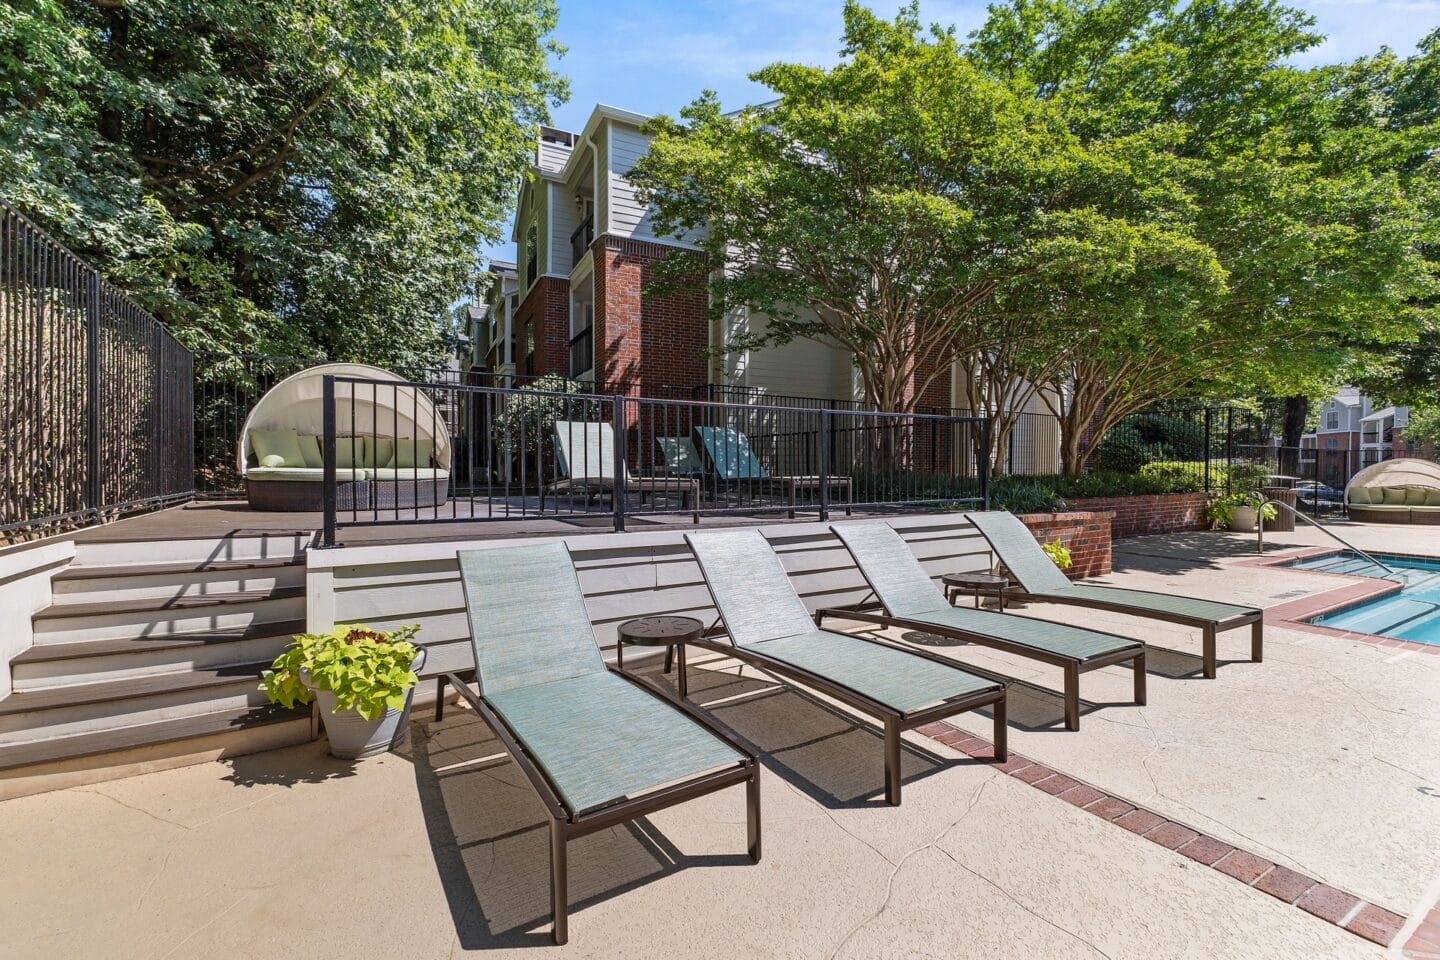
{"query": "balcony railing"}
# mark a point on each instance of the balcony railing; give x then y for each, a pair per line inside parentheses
(581, 239)
(582, 352)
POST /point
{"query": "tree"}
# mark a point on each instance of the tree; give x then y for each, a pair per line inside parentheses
(880, 203)
(1307, 251)
(307, 176)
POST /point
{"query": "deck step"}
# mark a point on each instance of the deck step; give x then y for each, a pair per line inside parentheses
(106, 691)
(105, 571)
(18, 755)
(92, 608)
(49, 652)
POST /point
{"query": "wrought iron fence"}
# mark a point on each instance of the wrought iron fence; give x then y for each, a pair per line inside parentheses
(593, 459)
(95, 393)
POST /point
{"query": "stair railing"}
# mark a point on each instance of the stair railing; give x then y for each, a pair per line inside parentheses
(1260, 534)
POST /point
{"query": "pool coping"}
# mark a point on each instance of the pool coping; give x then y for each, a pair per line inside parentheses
(1295, 614)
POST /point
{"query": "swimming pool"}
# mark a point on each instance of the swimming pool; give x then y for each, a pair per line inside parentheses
(1412, 614)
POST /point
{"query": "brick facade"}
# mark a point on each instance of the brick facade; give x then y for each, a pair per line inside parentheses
(1086, 534)
(545, 311)
(645, 343)
(1141, 516)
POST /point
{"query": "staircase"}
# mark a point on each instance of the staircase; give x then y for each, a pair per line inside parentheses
(152, 651)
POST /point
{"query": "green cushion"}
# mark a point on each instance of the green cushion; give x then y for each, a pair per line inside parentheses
(1394, 496)
(379, 451)
(1414, 496)
(349, 451)
(272, 460)
(310, 450)
(413, 453)
(1432, 497)
(1359, 495)
(281, 443)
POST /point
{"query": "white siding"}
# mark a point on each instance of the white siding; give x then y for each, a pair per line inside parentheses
(800, 368)
(628, 217)
(623, 575)
(602, 179)
(551, 157)
(563, 221)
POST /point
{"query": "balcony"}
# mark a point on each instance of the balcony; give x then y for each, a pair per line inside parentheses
(582, 352)
(581, 239)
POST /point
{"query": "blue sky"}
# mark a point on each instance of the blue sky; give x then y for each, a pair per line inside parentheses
(654, 56)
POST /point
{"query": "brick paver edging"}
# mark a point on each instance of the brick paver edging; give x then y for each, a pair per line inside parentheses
(1360, 917)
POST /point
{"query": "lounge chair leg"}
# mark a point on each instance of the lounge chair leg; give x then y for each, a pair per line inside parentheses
(1072, 696)
(1002, 728)
(684, 678)
(440, 698)
(1138, 664)
(752, 812)
(559, 895)
(892, 761)
(669, 658)
(1257, 641)
(1208, 651)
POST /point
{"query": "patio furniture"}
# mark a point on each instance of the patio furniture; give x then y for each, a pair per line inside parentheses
(598, 746)
(392, 447)
(1041, 580)
(732, 461)
(672, 633)
(585, 453)
(988, 584)
(769, 627)
(1405, 490)
(911, 600)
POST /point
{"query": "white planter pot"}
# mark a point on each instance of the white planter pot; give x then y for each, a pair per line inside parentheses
(352, 737)
(1244, 518)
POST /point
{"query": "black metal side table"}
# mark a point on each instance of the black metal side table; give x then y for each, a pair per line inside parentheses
(669, 632)
(981, 584)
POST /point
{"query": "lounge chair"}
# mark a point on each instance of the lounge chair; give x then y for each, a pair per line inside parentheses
(911, 600)
(732, 461)
(770, 628)
(1040, 580)
(585, 453)
(598, 747)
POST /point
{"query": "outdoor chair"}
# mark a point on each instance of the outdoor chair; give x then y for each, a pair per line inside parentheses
(770, 628)
(732, 461)
(585, 453)
(1040, 580)
(911, 600)
(598, 746)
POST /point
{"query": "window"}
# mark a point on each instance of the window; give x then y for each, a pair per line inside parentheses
(1332, 420)
(1332, 444)
(532, 255)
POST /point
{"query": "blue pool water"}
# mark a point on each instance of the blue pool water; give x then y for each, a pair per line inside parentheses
(1412, 614)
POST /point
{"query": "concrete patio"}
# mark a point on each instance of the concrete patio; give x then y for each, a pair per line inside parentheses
(1320, 760)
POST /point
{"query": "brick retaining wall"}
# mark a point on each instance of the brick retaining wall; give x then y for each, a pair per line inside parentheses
(1139, 516)
(1085, 533)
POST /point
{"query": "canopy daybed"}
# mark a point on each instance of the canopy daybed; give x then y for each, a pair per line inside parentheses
(1405, 490)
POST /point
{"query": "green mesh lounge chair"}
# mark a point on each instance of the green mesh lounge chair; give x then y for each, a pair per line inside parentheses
(585, 454)
(1041, 580)
(911, 600)
(733, 462)
(770, 628)
(599, 747)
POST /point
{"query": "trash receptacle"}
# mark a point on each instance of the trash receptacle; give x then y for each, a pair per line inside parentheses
(1284, 520)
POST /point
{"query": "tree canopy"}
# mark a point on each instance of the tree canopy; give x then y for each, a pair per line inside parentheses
(1103, 202)
(306, 176)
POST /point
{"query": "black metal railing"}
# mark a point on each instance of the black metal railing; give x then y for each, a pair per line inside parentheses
(581, 238)
(95, 393)
(582, 352)
(590, 459)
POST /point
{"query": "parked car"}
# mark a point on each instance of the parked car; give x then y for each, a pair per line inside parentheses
(1314, 495)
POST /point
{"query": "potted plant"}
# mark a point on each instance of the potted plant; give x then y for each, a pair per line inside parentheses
(1059, 553)
(1240, 511)
(363, 680)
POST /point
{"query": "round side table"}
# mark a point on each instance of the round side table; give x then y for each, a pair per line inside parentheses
(669, 632)
(981, 584)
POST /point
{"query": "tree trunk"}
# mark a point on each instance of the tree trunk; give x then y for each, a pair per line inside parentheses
(1297, 410)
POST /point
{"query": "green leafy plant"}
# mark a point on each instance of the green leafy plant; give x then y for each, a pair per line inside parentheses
(527, 417)
(367, 670)
(1222, 510)
(1059, 553)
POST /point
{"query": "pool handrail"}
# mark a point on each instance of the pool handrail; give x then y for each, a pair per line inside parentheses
(1260, 534)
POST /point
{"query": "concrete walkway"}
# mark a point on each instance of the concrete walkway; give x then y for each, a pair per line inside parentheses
(1322, 757)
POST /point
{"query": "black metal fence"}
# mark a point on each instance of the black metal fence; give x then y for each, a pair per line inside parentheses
(96, 394)
(594, 460)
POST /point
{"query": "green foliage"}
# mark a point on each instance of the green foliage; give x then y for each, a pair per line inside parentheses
(530, 413)
(298, 177)
(1059, 553)
(368, 671)
(1024, 494)
(1423, 428)
(1222, 509)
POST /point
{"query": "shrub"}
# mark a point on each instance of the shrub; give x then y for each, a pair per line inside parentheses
(1123, 450)
(1024, 495)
